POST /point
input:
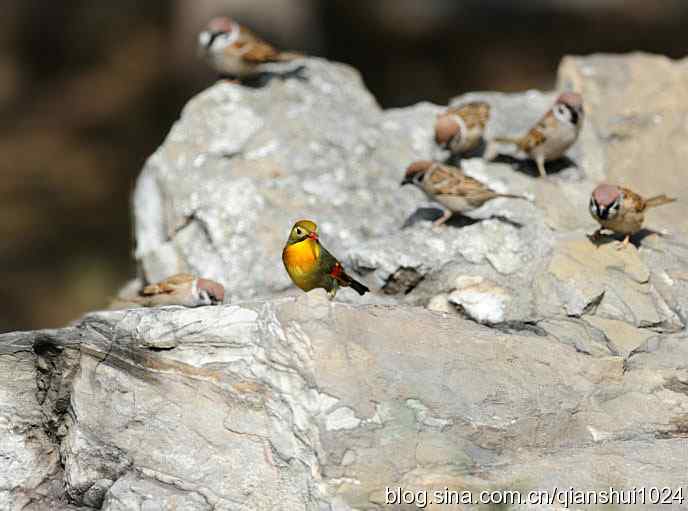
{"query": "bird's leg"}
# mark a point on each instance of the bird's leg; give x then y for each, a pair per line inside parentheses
(332, 292)
(446, 215)
(625, 242)
(229, 78)
(540, 161)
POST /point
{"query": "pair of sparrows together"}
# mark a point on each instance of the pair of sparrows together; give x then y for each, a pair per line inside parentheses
(615, 208)
(461, 129)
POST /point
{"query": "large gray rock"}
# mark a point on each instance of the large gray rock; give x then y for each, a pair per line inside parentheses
(545, 360)
(302, 403)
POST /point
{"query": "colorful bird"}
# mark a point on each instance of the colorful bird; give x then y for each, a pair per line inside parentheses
(310, 265)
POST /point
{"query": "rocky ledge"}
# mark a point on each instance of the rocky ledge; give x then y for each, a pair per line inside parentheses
(505, 351)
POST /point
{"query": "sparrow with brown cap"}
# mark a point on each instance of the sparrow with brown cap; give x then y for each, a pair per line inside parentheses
(234, 51)
(450, 187)
(182, 289)
(460, 128)
(554, 133)
(621, 210)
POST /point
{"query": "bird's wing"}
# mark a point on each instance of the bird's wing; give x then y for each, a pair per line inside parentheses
(329, 265)
(255, 49)
(474, 114)
(326, 262)
(448, 180)
(168, 285)
(633, 201)
(539, 133)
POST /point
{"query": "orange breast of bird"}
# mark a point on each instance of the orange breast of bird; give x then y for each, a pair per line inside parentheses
(301, 262)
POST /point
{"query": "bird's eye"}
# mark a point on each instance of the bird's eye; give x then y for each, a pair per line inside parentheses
(299, 232)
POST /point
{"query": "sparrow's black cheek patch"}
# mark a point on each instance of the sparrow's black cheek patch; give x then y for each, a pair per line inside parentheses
(573, 114)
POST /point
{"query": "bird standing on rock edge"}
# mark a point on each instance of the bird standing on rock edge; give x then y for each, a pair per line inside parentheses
(310, 265)
(234, 51)
(460, 128)
(554, 133)
(621, 210)
(450, 187)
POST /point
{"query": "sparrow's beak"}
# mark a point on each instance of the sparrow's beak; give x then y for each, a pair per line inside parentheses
(406, 181)
(313, 236)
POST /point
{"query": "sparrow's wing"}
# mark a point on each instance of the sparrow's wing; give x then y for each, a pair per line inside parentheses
(448, 180)
(168, 285)
(539, 133)
(633, 201)
(254, 49)
(474, 114)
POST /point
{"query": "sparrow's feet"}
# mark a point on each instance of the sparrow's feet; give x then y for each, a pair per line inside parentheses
(437, 224)
(541, 167)
(624, 244)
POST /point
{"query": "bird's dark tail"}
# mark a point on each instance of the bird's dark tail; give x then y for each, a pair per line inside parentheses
(357, 286)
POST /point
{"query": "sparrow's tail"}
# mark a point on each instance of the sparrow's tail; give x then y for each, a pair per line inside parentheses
(507, 140)
(512, 196)
(286, 56)
(658, 200)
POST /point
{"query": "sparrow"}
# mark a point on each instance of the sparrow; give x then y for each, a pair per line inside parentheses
(233, 50)
(554, 133)
(181, 289)
(310, 265)
(621, 210)
(448, 185)
(460, 128)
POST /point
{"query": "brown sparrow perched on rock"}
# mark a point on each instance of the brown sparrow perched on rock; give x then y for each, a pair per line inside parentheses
(233, 50)
(448, 185)
(181, 289)
(460, 128)
(621, 210)
(554, 133)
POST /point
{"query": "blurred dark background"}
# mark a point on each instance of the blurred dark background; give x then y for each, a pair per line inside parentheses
(89, 89)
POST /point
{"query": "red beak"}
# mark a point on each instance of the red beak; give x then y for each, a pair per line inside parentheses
(313, 236)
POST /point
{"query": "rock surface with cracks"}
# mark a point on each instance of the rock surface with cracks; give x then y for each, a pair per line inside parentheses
(303, 403)
(544, 361)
